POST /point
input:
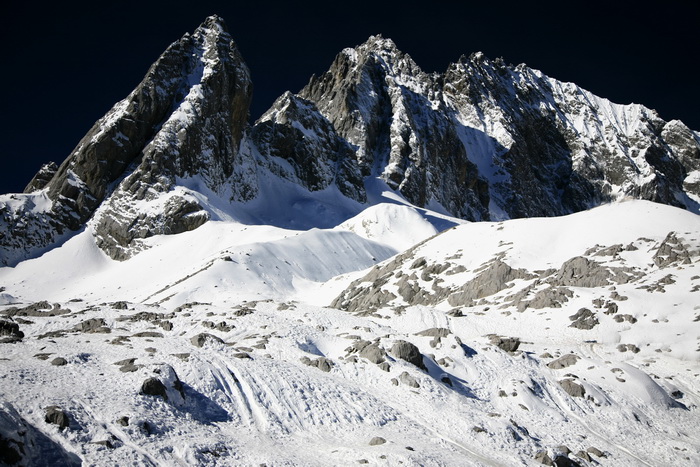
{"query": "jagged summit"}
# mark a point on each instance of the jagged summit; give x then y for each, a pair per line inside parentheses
(541, 147)
(214, 22)
(482, 141)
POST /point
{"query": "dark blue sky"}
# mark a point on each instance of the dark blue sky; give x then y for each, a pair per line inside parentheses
(64, 66)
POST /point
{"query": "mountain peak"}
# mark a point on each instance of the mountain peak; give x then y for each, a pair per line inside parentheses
(187, 117)
(378, 42)
(214, 22)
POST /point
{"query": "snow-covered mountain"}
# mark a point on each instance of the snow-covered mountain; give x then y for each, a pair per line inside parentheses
(483, 141)
(190, 289)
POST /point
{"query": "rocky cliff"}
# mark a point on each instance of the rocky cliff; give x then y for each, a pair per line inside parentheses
(487, 140)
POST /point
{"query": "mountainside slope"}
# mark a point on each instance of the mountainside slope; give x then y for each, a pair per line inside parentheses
(189, 289)
(602, 370)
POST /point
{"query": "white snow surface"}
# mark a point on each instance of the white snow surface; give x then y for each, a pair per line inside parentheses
(265, 291)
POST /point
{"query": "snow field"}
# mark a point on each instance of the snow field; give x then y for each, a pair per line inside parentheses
(251, 399)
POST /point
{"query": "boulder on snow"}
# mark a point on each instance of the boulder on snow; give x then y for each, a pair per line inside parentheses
(596, 452)
(543, 458)
(9, 332)
(154, 387)
(127, 365)
(408, 380)
(434, 332)
(167, 385)
(565, 461)
(408, 352)
(507, 344)
(201, 338)
(93, 325)
(56, 416)
(563, 362)
(373, 353)
(322, 363)
(572, 388)
(583, 319)
(376, 441)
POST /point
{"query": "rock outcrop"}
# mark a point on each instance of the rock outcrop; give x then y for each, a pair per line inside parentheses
(301, 145)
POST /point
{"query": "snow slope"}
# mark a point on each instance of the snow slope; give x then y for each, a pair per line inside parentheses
(258, 391)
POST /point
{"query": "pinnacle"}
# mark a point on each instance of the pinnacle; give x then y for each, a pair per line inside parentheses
(378, 42)
(214, 22)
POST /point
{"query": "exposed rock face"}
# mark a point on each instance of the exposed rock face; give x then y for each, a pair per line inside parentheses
(486, 139)
(295, 131)
(561, 149)
(201, 135)
(42, 178)
(491, 280)
(673, 251)
(381, 102)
